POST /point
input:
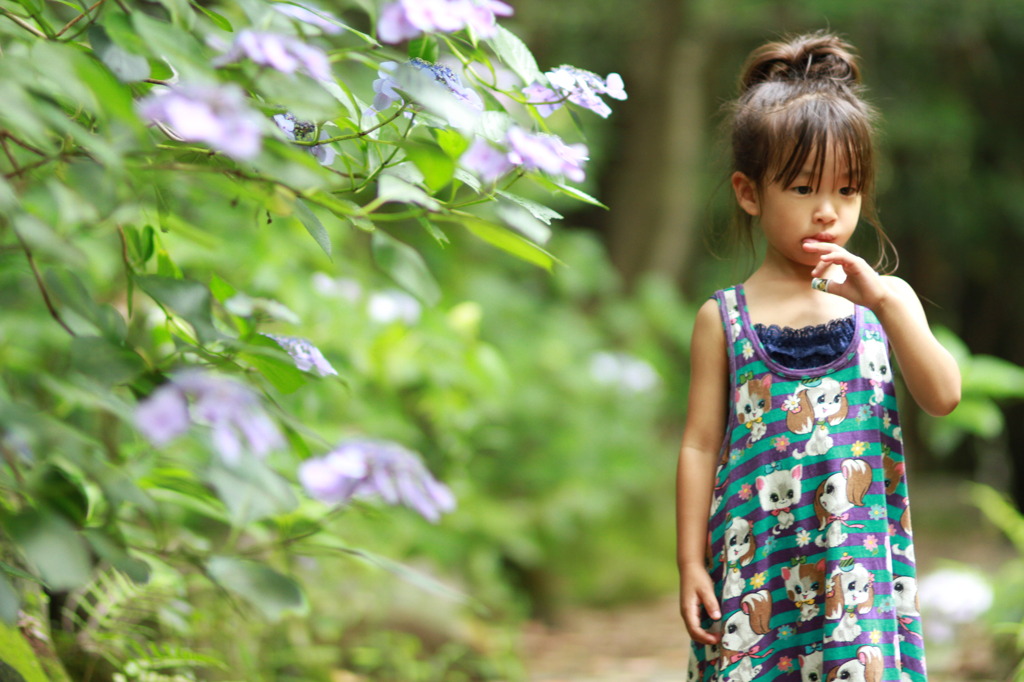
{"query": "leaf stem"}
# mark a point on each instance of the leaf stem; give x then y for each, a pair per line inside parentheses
(24, 24)
(353, 136)
(39, 282)
(78, 18)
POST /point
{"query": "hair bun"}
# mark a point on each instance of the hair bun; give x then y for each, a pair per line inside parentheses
(817, 56)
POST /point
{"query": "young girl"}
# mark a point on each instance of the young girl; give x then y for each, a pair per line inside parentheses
(802, 569)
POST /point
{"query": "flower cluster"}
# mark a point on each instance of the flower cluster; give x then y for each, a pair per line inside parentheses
(435, 86)
(216, 115)
(532, 151)
(304, 130)
(307, 357)
(623, 370)
(578, 86)
(376, 469)
(287, 54)
(406, 19)
(237, 420)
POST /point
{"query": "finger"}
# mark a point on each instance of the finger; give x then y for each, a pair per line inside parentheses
(710, 602)
(691, 617)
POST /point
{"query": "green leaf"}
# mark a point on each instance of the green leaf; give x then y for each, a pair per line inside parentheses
(979, 416)
(251, 492)
(10, 602)
(390, 187)
(425, 47)
(277, 368)
(514, 52)
(115, 553)
(567, 190)
(437, 166)
(539, 211)
(993, 377)
(128, 67)
(313, 226)
(52, 546)
(189, 299)
(510, 242)
(107, 362)
(406, 267)
(452, 142)
(221, 23)
(58, 492)
(274, 594)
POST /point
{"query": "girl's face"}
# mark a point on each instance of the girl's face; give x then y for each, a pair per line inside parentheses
(821, 209)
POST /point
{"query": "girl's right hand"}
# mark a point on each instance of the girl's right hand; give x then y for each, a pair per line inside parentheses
(697, 592)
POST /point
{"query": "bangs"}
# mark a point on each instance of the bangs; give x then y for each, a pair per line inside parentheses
(813, 128)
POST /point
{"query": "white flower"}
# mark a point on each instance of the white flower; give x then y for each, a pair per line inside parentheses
(623, 370)
(393, 306)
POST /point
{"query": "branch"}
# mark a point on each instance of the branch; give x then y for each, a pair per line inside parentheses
(24, 24)
(78, 18)
(39, 282)
(353, 136)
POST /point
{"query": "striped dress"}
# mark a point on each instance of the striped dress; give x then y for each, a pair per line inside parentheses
(810, 542)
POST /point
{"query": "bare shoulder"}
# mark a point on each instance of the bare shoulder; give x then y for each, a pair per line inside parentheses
(708, 341)
(898, 285)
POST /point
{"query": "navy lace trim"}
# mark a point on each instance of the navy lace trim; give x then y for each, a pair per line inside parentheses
(807, 347)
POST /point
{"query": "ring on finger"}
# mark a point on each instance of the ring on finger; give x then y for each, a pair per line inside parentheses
(820, 283)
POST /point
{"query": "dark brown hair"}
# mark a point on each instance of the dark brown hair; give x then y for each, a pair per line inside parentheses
(798, 98)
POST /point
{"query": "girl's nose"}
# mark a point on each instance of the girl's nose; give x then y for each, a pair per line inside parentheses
(825, 213)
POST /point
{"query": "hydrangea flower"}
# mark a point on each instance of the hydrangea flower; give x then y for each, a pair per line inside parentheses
(485, 161)
(286, 54)
(406, 19)
(581, 87)
(623, 370)
(216, 115)
(303, 130)
(318, 18)
(307, 357)
(376, 469)
(390, 306)
(434, 86)
(538, 151)
(232, 410)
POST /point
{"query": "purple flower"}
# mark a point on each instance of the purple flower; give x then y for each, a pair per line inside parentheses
(287, 54)
(216, 115)
(579, 87)
(237, 420)
(434, 86)
(547, 153)
(485, 161)
(381, 469)
(305, 354)
(303, 130)
(314, 17)
(405, 19)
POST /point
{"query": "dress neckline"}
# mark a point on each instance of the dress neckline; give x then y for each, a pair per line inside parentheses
(839, 362)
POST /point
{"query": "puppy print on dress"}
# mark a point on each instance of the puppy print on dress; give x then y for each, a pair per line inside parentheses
(804, 582)
(908, 551)
(875, 365)
(850, 594)
(869, 666)
(836, 496)
(893, 473)
(778, 491)
(692, 674)
(738, 550)
(904, 592)
(753, 400)
(741, 634)
(816, 405)
(719, 490)
(811, 663)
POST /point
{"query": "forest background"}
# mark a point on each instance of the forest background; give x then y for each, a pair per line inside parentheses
(528, 346)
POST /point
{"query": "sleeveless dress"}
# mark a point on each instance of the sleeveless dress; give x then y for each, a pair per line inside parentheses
(809, 538)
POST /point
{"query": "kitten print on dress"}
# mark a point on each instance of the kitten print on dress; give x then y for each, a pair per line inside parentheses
(875, 365)
(739, 548)
(869, 666)
(850, 594)
(816, 405)
(741, 634)
(804, 582)
(811, 665)
(778, 491)
(753, 400)
(836, 496)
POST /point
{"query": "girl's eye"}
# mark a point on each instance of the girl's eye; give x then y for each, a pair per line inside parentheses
(803, 189)
(849, 191)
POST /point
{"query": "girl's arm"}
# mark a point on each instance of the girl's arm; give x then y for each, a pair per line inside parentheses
(930, 372)
(702, 439)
